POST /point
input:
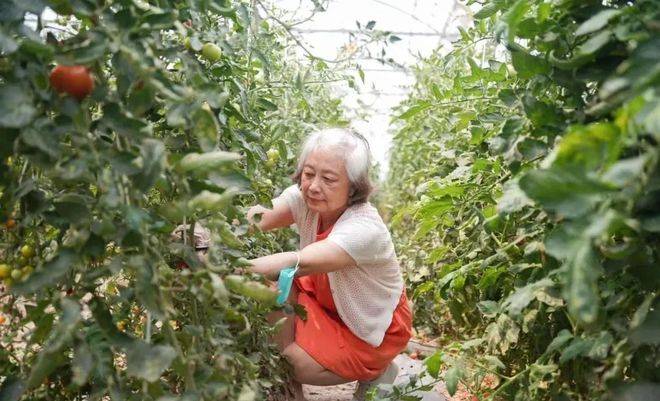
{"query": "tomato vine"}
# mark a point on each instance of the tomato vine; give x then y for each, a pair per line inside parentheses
(524, 199)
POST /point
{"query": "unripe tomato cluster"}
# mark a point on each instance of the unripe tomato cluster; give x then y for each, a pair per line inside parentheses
(20, 269)
(273, 157)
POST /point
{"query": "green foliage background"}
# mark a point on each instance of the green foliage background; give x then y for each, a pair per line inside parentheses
(525, 193)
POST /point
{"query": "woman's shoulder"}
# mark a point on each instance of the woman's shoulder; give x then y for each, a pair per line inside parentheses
(362, 213)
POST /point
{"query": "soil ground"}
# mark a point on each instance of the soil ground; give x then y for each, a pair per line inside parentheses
(407, 368)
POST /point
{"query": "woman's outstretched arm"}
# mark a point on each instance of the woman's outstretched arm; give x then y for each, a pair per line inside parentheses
(279, 216)
(319, 257)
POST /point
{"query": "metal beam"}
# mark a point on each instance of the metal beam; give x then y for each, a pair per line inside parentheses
(355, 31)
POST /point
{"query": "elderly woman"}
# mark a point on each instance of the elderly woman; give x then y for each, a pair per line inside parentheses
(348, 277)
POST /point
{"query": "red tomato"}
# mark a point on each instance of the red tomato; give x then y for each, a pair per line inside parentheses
(74, 80)
(10, 224)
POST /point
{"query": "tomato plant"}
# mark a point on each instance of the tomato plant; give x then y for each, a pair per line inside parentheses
(523, 190)
(99, 179)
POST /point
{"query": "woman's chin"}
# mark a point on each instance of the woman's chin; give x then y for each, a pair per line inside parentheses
(316, 206)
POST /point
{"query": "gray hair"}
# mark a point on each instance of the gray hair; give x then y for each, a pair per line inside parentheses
(353, 148)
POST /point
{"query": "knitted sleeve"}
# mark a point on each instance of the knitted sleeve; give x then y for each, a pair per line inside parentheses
(364, 237)
(294, 200)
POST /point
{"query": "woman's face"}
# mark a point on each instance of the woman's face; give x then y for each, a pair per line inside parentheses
(324, 182)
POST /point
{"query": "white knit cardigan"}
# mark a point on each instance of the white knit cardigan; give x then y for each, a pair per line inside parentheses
(367, 295)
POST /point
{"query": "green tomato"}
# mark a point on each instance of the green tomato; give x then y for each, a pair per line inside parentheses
(27, 251)
(186, 43)
(5, 270)
(16, 274)
(250, 289)
(211, 52)
(211, 201)
(207, 161)
(273, 157)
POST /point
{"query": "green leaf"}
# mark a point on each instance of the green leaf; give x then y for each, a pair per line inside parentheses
(16, 106)
(642, 311)
(12, 389)
(581, 290)
(210, 201)
(152, 163)
(487, 10)
(597, 21)
(488, 308)
(543, 12)
(44, 139)
(527, 65)
(146, 289)
(81, 365)
(531, 149)
(625, 171)
(141, 100)
(651, 224)
(206, 127)
(416, 109)
(452, 377)
(148, 362)
(73, 207)
(637, 391)
(123, 124)
(562, 338)
(540, 113)
(649, 117)
(513, 198)
(50, 357)
(567, 193)
(647, 331)
(433, 364)
(105, 323)
(600, 345)
(594, 44)
(87, 51)
(7, 44)
(519, 300)
(495, 362)
(578, 347)
(510, 20)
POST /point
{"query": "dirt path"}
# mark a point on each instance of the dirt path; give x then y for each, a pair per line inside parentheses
(344, 392)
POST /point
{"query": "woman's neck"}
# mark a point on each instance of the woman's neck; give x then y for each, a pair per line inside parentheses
(329, 218)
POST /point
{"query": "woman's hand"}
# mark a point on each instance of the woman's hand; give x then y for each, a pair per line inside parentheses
(279, 216)
(256, 210)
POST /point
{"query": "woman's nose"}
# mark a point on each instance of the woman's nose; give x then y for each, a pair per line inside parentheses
(314, 185)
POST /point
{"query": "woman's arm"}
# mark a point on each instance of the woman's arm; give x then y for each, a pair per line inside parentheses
(319, 257)
(279, 216)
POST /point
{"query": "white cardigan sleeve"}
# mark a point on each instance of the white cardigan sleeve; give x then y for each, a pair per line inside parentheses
(364, 238)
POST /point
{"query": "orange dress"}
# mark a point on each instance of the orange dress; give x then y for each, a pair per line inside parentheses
(325, 337)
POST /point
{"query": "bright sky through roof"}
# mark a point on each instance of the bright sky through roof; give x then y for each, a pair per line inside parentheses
(422, 26)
